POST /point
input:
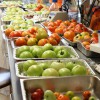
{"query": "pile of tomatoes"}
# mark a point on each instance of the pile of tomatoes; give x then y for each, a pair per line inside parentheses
(32, 37)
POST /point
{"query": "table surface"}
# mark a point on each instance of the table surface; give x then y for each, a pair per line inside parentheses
(15, 81)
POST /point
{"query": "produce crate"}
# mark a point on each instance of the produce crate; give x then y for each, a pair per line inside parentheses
(77, 84)
(72, 52)
(20, 73)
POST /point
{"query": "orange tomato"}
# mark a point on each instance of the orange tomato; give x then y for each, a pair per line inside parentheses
(8, 31)
(42, 42)
(25, 33)
(20, 41)
(52, 41)
(63, 97)
(56, 37)
(85, 43)
(56, 94)
(59, 30)
(69, 35)
(87, 37)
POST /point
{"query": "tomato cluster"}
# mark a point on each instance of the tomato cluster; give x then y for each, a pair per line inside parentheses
(39, 94)
(68, 28)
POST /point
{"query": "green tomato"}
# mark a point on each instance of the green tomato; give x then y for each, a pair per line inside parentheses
(79, 70)
(34, 70)
(64, 72)
(49, 54)
(70, 94)
(70, 65)
(26, 54)
(76, 98)
(92, 98)
(50, 72)
(63, 54)
(27, 64)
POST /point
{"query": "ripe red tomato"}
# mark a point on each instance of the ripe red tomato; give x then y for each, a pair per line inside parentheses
(56, 37)
(35, 96)
(58, 22)
(41, 92)
(51, 24)
(20, 41)
(32, 30)
(51, 28)
(15, 34)
(37, 9)
(42, 42)
(63, 97)
(52, 41)
(86, 94)
(69, 35)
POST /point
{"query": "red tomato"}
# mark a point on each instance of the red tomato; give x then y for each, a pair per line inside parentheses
(58, 22)
(52, 41)
(15, 34)
(32, 30)
(87, 47)
(40, 91)
(37, 9)
(86, 94)
(20, 41)
(63, 97)
(42, 42)
(94, 39)
(59, 30)
(35, 96)
(56, 37)
(69, 35)
(51, 24)
(51, 28)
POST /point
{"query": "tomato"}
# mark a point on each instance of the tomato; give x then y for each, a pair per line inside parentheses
(35, 96)
(51, 24)
(63, 97)
(32, 30)
(67, 23)
(59, 30)
(94, 39)
(41, 92)
(40, 6)
(69, 35)
(25, 33)
(37, 9)
(87, 47)
(86, 94)
(52, 41)
(84, 43)
(51, 28)
(58, 22)
(94, 34)
(87, 37)
(20, 41)
(15, 34)
(63, 25)
(8, 31)
(42, 42)
(56, 37)
(56, 94)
